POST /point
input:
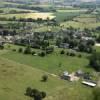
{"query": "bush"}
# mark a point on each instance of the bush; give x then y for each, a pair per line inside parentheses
(79, 55)
(33, 52)
(95, 61)
(44, 78)
(42, 54)
(20, 50)
(27, 50)
(62, 52)
(28, 91)
(36, 94)
(72, 54)
(1, 47)
(13, 49)
(67, 53)
(43, 94)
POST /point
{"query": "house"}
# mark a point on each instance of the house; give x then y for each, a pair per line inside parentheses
(70, 77)
(79, 73)
(89, 83)
(65, 75)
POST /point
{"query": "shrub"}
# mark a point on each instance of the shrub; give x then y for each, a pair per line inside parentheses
(42, 54)
(27, 50)
(1, 47)
(72, 54)
(36, 94)
(33, 52)
(44, 78)
(28, 91)
(43, 94)
(20, 50)
(95, 61)
(79, 55)
(62, 52)
(67, 53)
(13, 49)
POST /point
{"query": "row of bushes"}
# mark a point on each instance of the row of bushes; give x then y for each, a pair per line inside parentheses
(69, 53)
(28, 50)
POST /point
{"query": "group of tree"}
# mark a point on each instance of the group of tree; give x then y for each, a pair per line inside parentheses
(95, 61)
(43, 53)
(35, 94)
(71, 53)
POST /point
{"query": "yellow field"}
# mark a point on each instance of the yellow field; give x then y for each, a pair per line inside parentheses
(30, 15)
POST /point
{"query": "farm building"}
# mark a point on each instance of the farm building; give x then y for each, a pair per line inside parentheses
(79, 73)
(69, 77)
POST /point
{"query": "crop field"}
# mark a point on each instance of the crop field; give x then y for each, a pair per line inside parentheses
(29, 15)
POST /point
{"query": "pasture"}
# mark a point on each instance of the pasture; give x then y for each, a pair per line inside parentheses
(16, 74)
(50, 63)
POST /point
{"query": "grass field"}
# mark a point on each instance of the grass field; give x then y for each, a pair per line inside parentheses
(83, 21)
(81, 25)
(29, 15)
(7, 10)
(16, 77)
(61, 16)
(51, 62)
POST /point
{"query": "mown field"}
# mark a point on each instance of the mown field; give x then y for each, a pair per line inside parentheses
(19, 71)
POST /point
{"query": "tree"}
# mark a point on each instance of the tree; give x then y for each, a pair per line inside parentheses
(95, 61)
(44, 78)
(96, 93)
(91, 42)
(43, 94)
(33, 52)
(28, 91)
(98, 39)
(42, 54)
(34, 93)
(1, 47)
(62, 52)
(20, 50)
(27, 50)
